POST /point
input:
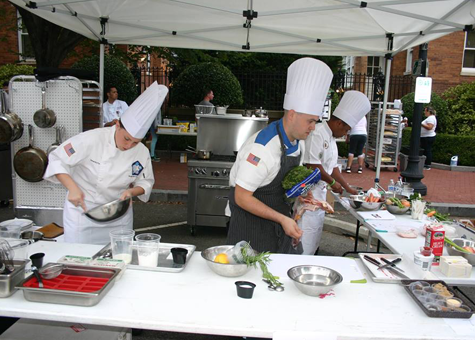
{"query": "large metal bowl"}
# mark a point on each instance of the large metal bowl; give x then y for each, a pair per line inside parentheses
(462, 243)
(109, 211)
(395, 210)
(223, 269)
(355, 204)
(314, 280)
(372, 205)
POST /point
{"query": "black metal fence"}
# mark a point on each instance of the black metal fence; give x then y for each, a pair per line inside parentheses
(267, 89)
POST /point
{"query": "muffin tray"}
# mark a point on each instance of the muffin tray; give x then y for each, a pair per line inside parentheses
(436, 313)
(76, 285)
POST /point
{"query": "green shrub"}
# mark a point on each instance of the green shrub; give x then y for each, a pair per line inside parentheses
(116, 74)
(437, 102)
(446, 146)
(343, 149)
(8, 71)
(461, 105)
(189, 86)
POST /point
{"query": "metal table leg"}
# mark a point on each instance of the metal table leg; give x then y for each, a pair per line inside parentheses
(370, 238)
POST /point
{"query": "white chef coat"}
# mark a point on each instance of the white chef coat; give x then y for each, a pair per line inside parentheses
(114, 110)
(103, 173)
(321, 149)
(258, 160)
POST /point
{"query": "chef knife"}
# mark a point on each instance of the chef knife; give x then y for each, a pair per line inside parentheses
(372, 260)
(391, 263)
(397, 273)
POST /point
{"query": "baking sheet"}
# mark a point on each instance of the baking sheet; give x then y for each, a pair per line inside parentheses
(165, 260)
(384, 276)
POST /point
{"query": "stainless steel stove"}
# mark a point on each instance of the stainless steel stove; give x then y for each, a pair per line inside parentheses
(208, 191)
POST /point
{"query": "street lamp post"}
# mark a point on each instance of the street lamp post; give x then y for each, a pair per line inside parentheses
(413, 173)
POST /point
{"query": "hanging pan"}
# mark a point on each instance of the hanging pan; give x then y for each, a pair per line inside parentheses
(30, 163)
(59, 137)
(44, 117)
(11, 127)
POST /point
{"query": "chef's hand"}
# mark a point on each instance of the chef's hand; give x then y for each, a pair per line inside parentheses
(76, 197)
(291, 228)
(126, 194)
(351, 191)
(337, 188)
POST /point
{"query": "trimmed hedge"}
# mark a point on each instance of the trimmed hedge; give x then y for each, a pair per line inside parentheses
(8, 71)
(446, 146)
(461, 103)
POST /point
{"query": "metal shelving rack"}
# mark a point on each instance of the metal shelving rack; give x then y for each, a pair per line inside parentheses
(391, 141)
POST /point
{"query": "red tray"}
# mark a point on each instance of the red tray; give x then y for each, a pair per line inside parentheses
(85, 284)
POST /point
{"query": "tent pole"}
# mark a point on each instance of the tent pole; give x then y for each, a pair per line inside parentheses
(101, 66)
(383, 120)
(413, 174)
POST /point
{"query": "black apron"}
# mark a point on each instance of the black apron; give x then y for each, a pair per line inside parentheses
(262, 234)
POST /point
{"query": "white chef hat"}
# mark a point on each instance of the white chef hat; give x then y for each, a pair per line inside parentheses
(138, 118)
(308, 81)
(352, 108)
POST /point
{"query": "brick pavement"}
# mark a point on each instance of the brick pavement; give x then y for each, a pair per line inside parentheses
(443, 186)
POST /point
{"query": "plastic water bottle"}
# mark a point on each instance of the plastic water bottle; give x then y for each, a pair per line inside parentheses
(454, 160)
(399, 186)
(391, 186)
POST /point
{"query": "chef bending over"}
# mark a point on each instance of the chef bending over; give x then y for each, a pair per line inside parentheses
(105, 164)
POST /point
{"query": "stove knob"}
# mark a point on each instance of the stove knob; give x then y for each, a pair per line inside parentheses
(197, 171)
(216, 173)
(203, 171)
(225, 172)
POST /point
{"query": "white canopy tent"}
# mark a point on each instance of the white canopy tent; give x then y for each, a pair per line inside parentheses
(310, 27)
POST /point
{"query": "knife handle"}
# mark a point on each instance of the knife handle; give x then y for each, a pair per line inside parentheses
(371, 260)
(391, 263)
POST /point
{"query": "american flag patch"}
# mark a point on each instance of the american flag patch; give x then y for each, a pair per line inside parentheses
(69, 149)
(254, 160)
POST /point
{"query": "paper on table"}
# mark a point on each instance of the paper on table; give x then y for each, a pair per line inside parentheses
(299, 335)
(377, 215)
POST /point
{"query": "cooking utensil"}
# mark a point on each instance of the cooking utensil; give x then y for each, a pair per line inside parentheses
(11, 126)
(390, 263)
(223, 269)
(397, 273)
(59, 137)
(247, 113)
(38, 276)
(372, 260)
(51, 271)
(109, 211)
(273, 287)
(34, 235)
(261, 113)
(44, 117)
(6, 257)
(314, 280)
(221, 110)
(395, 210)
(461, 242)
(29, 162)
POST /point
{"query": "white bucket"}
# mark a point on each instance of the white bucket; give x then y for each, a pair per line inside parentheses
(454, 160)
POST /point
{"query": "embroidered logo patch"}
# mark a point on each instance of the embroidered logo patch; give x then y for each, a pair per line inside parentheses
(69, 150)
(136, 168)
(254, 160)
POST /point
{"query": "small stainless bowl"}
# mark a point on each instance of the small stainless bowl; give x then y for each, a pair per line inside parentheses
(355, 204)
(223, 269)
(32, 235)
(372, 205)
(109, 211)
(462, 243)
(314, 280)
(395, 210)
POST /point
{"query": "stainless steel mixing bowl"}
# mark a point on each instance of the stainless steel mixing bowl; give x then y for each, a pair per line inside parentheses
(395, 210)
(314, 280)
(462, 243)
(223, 269)
(109, 211)
(372, 205)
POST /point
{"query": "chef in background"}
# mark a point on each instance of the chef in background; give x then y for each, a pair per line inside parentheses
(103, 165)
(259, 213)
(113, 108)
(321, 152)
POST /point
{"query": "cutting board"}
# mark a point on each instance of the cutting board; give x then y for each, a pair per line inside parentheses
(51, 230)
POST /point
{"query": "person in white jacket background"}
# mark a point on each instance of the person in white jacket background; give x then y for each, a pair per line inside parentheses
(321, 152)
(105, 164)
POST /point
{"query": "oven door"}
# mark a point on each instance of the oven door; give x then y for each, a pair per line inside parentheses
(211, 196)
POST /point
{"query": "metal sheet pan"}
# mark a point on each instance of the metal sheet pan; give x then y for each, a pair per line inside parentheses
(65, 297)
(9, 281)
(384, 276)
(165, 261)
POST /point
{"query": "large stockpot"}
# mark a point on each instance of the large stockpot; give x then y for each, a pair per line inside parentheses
(30, 163)
(44, 117)
(11, 126)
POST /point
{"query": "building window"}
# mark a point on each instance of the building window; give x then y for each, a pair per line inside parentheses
(349, 64)
(374, 65)
(24, 45)
(469, 54)
(409, 61)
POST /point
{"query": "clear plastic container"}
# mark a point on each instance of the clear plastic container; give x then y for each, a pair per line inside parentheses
(148, 246)
(418, 285)
(121, 244)
(20, 248)
(10, 231)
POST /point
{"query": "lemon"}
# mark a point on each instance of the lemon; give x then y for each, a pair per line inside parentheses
(221, 258)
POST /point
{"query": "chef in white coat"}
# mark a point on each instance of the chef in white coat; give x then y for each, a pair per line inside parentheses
(102, 165)
(321, 152)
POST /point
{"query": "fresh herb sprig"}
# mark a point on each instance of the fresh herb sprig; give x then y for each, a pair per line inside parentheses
(252, 259)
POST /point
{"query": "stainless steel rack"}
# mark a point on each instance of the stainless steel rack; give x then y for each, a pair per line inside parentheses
(391, 141)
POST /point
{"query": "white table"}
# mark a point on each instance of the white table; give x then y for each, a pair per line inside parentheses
(199, 301)
(385, 231)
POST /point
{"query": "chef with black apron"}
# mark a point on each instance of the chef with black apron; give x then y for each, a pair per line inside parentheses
(259, 213)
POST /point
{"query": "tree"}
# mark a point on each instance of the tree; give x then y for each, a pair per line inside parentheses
(51, 43)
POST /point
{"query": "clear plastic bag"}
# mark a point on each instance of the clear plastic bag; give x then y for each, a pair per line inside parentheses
(235, 253)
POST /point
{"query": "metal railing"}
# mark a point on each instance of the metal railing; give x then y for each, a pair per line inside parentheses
(266, 89)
